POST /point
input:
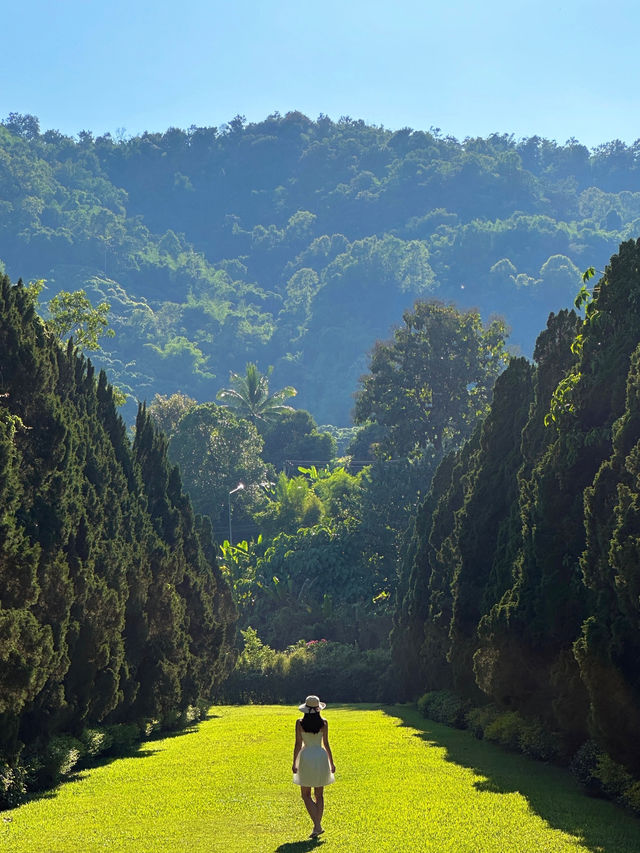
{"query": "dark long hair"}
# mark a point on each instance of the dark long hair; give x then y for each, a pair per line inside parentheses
(312, 722)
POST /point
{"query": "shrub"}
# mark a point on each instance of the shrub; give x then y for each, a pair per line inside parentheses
(535, 740)
(477, 719)
(505, 730)
(513, 731)
(603, 777)
(175, 720)
(149, 727)
(95, 742)
(170, 721)
(584, 765)
(444, 707)
(13, 784)
(615, 779)
(57, 760)
(340, 671)
(631, 798)
(124, 738)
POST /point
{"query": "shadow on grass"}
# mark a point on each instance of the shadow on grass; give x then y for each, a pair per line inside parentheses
(104, 760)
(300, 846)
(169, 735)
(551, 791)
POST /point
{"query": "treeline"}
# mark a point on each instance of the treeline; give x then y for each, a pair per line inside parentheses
(522, 578)
(292, 242)
(112, 607)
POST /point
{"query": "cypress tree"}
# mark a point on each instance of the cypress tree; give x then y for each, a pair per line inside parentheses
(111, 607)
(608, 649)
(549, 602)
(413, 593)
(480, 578)
(517, 648)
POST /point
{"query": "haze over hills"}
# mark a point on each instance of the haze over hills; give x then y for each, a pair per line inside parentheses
(298, 243)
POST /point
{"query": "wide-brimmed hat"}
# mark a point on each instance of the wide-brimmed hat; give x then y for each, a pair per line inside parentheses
(312, 705)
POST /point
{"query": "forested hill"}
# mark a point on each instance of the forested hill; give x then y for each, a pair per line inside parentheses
(298, 243)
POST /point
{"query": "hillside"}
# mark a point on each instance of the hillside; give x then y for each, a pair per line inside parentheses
(298, 243)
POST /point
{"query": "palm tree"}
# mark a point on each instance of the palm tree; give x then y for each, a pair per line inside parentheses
(249, 395)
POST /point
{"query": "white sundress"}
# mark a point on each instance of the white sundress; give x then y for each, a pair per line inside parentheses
(314, 770)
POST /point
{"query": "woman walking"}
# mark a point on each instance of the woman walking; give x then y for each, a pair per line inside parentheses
(313, 765)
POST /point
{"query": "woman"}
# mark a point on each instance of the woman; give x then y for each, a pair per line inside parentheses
(313, 765)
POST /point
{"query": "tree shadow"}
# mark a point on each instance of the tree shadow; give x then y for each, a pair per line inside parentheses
(144, 750)
(551, 791)
(79, 774)
(300, 846)
(170, 734)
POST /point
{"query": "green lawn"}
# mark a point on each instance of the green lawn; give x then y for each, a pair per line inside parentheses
(403, 784)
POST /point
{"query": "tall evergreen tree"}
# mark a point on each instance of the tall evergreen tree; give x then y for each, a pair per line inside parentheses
(111, 607)
(481, 525)
(608, 649)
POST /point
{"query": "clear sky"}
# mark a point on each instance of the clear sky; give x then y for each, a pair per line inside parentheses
(569, 68)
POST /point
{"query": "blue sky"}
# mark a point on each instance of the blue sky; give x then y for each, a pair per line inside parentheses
(556, 69)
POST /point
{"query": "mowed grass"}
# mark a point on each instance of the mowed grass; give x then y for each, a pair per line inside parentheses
(403, 784)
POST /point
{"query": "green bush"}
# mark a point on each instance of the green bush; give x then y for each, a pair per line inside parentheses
(444, 707)
(477, 719)
(631, 798)
(584, 766)
(124, 738)
(95, 742)
(57, 760)
(174, 720)
(505, 730)
(513, 731)
(13, 784)
(603, 777)
(615, 779)
(339, 671)
(149, 727)
(535, 740)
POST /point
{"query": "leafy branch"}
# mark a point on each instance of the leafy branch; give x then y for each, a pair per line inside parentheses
(561, 400)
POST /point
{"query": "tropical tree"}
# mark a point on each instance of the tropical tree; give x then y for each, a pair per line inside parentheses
(249, 395)
(432, 383)
(294, 505)
(295, 436)
(216, 450)
(166, 410)
(73, 315)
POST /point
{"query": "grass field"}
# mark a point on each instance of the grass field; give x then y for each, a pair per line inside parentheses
(402, 784)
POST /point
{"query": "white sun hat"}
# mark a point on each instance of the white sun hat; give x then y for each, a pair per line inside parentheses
(312, 705)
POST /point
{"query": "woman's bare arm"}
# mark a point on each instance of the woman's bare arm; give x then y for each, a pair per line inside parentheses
(297, 746)
(325, 741)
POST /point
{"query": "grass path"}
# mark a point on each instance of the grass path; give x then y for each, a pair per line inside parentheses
(403, 784)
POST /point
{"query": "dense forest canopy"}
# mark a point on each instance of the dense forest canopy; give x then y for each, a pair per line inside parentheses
(490, 519)
(298, 243)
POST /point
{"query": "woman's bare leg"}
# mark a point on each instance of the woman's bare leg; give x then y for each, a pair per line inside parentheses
(317, 826)
(310, 805)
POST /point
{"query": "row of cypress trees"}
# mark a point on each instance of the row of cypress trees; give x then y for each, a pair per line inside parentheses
(521, 583)
(112, 607)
